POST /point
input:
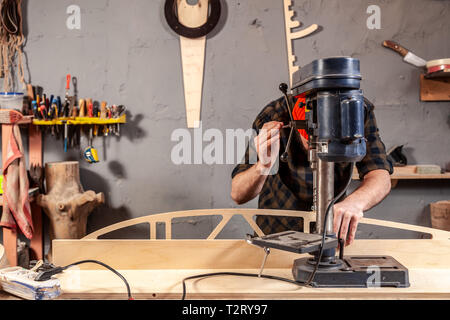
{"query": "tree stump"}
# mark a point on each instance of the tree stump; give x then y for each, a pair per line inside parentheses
(66, 204)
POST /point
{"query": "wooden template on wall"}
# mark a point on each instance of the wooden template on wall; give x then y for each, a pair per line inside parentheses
(193, 59)
(192, 23)
(290, 36)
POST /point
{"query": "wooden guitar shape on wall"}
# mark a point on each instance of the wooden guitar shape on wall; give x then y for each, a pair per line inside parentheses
(192, 23)
(290, 36)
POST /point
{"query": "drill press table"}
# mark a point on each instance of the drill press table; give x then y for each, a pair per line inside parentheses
(155, 268)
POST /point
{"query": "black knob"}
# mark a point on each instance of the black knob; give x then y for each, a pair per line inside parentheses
(284, 157)
(283, 87)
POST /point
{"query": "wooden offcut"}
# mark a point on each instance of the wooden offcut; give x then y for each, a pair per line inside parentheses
(291, 24)
(440, 215)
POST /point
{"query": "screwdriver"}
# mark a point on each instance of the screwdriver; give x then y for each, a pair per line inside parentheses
(35, 109)
(65, 134)
(58, 103)
(103, 114)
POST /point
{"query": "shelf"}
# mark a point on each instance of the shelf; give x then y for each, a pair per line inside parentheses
(435, 89)
(80, 121)
(26, 120)
(408, 173)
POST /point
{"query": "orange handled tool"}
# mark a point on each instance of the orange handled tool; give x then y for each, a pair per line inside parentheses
(103, 110)
(68, 84)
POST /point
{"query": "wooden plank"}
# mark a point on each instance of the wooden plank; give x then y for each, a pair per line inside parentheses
(166, 262)
(9, 234)
(409, 173)
(434, 89)
(165, 254)
(10, 244)
(35, 158)
(155, 268)
(37, 242)
(232, 254)
(3, 259)
(193, 58)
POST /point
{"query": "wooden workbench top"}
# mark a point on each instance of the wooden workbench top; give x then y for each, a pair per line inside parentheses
(155, 269)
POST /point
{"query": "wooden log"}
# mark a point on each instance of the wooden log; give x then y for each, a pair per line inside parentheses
(66, 203)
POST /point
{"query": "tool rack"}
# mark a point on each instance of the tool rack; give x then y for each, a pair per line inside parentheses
(80, 121)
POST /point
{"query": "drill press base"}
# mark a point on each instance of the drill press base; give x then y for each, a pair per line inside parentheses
(353, 272)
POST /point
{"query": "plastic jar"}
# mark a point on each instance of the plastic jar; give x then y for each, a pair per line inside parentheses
(11, 100)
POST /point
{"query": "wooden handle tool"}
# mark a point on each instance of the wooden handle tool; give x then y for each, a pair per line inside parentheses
(82, 105)
(103, 110)
(396, 47)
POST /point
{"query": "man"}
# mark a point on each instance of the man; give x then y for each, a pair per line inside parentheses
(291, 186)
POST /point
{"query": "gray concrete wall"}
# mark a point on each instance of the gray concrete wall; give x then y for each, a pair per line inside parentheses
(126, 54)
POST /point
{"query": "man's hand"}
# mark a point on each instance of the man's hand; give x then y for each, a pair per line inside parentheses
(267, 145)
(346, 218)
(248, 184)
(347, 214)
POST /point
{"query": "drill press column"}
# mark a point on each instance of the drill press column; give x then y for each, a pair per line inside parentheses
(324, 193)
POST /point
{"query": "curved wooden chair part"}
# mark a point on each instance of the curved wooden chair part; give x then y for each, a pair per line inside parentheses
(248, 215)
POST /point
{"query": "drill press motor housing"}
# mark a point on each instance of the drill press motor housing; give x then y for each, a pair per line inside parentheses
(334, 121)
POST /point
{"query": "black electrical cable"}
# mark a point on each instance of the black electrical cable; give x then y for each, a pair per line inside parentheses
(107, 267)
(254, 275)
(47, 271)
(302, 284)
(327, 212)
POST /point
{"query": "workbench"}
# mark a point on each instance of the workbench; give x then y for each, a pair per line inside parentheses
(155, 268)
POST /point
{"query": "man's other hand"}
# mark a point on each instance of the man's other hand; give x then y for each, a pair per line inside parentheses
(267, 145)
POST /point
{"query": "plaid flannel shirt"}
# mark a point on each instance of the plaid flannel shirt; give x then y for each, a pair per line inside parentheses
(291, 188)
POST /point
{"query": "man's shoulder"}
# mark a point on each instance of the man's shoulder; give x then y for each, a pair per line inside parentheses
(274, 111)
(369, 105)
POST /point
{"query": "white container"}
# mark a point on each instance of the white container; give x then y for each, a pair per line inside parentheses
(11, 100)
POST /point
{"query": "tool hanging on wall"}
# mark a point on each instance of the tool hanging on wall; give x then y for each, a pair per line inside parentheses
(11, 42)
(407, 55)
(67, 121)
(290, 36)
(192, 23)
(90, 153)
(435, 68)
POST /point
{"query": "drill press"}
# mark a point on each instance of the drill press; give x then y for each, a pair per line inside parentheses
(334, 122)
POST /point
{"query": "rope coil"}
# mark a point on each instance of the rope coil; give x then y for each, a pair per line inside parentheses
(11, 41)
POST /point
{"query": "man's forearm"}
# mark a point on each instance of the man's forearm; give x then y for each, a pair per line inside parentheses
(248, 184)
(373, 189)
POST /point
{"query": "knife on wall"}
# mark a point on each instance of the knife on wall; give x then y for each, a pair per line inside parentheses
(407, 55)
